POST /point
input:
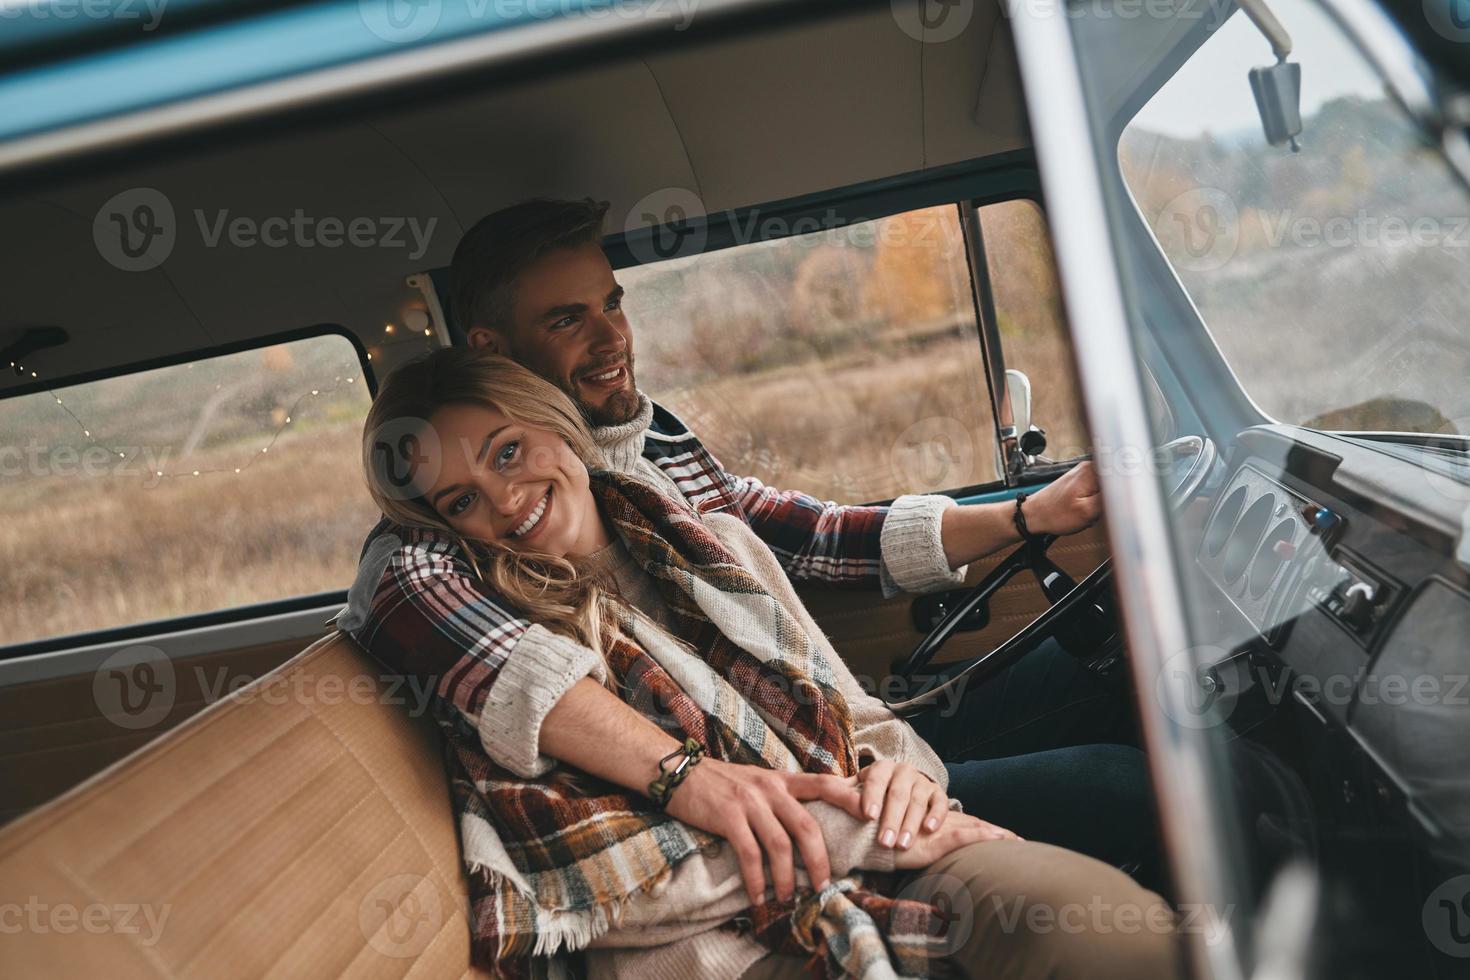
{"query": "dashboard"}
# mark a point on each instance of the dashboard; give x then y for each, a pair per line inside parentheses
(1337, 561)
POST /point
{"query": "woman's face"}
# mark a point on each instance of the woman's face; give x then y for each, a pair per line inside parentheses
(507, 482)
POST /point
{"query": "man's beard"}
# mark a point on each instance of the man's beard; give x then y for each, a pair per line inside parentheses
(618, 408)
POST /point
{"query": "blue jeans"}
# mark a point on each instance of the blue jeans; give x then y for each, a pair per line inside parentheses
(1047, 749)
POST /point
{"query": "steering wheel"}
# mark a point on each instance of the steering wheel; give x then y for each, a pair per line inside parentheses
(1082, 615)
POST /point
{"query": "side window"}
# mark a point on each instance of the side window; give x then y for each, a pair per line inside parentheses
(1031, 321)
(183, 489)
(845, 363)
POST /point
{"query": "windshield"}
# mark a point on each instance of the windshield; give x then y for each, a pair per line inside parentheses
(1335, 280)
(1315, 712)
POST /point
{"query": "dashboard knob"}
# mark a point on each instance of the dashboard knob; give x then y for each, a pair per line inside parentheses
(1357, 606)
(1320, 518)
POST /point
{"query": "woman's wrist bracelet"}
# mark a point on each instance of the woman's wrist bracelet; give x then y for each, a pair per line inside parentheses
(661, 790)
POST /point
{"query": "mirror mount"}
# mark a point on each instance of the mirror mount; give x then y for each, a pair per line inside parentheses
(1020, 440)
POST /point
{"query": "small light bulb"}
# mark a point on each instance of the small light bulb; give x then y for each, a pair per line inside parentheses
(196, 472)
(265, 448)
(237, 469)
(288, 419)
(160, 472)
(314, 391)
(87, 433)
(388, 328)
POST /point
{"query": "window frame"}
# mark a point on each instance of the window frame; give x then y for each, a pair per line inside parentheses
(213, 617)
(1037, 473)
(966, 186)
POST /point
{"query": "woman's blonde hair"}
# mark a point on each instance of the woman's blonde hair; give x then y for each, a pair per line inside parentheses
(399, 453)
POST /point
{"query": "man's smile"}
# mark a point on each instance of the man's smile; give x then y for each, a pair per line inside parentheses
(607, 379)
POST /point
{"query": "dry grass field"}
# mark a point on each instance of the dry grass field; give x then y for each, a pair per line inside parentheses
(850, 371)
(91, 540)
(95, 552)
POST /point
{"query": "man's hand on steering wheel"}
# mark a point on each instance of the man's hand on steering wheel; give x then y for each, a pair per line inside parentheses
(1081, 616)
(1069, 504)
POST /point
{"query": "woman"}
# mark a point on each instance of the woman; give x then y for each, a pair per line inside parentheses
(688, 621)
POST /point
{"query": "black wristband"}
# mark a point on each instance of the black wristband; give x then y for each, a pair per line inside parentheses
(1019, 519)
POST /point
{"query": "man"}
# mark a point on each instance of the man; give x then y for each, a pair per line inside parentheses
(532, 282)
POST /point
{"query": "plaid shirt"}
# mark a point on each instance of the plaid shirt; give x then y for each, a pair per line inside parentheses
(418, 608)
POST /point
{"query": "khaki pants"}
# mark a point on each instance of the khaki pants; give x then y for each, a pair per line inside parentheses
(1016, 910)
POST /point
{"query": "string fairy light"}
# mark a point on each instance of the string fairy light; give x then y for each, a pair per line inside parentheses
(337, 382)
(291, 414)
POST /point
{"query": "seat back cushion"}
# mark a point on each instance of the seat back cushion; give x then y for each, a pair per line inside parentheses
(299, 827)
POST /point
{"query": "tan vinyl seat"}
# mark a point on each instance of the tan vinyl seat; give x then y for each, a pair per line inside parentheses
(298, 828)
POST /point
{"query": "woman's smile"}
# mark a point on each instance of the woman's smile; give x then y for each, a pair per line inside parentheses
(535, 522)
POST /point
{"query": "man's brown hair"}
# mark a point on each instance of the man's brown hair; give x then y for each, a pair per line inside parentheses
(492, 254)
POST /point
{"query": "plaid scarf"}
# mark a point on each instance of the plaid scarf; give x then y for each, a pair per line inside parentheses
(552, 859)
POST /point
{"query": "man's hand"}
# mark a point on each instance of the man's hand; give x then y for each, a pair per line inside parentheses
(1070, 504)
(759, 812)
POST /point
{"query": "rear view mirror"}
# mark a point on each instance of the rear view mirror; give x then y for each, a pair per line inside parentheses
(1278, 88)
(1278, 92)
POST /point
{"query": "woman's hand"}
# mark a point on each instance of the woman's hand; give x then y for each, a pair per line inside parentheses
(959, 830)
(904, 798)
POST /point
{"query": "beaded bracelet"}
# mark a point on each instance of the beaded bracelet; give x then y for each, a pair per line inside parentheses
(662, 788)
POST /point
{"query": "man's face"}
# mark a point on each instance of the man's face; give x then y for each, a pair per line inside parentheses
(567, 325)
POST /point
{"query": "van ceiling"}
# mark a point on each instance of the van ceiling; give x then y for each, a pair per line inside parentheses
(740, 122)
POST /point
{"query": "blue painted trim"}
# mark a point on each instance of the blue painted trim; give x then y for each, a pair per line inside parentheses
(170, 68)
(999, 496)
